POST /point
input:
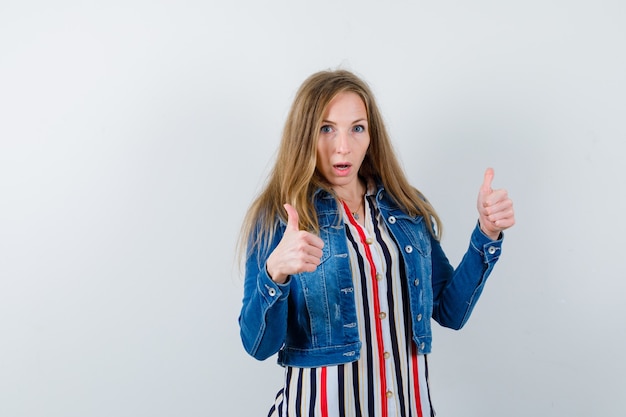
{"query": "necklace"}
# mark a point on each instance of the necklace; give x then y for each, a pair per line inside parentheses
(355, 214)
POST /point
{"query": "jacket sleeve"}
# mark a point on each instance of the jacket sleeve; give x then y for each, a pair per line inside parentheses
(456, 291)
(263, 317)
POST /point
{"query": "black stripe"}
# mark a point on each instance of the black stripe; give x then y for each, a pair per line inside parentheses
(299, 395)
(286, 392)
(342, 392)
(356, 388)
(430, 402)
(313, 393)
(408, 331)
(367, 343)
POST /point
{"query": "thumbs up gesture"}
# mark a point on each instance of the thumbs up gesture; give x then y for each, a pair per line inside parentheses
(495, 208)
(298, 250)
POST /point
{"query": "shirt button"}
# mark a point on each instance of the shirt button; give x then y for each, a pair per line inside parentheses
(422, 346)
(419, 317)
(369, 240)
(416, 282)
(386, 355)
(408, 248)
(391, 220)
(389, 394)
(379, 276)
(491, 250)
(382, 315)
(271, 292)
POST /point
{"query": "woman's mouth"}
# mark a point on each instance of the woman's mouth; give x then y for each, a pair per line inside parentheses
(342, 167)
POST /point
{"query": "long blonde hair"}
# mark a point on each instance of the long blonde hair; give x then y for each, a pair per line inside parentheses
(294, 178)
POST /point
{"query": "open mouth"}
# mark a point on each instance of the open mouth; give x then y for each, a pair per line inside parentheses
(342, 167)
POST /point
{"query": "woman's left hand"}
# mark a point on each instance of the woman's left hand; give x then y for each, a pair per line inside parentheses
(495, 208)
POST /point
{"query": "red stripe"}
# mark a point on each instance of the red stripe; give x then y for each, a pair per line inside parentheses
(324, 394)
(416, 380)
(379, 329)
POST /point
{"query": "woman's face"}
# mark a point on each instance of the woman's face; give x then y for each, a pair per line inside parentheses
(343, 141)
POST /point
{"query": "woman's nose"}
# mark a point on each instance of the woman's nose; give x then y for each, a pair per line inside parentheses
(343, 142)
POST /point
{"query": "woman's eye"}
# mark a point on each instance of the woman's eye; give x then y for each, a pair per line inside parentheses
(359, 129)
(326, 129)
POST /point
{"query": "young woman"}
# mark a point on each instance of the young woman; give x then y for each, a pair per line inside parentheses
(344, 269)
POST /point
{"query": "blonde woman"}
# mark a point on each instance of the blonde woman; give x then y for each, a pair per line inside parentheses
(343, 265)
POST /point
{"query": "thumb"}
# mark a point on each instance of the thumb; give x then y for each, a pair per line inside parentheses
(486, 187)
(292, 217)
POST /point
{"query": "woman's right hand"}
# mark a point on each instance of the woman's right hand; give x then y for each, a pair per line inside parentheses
(298, 251)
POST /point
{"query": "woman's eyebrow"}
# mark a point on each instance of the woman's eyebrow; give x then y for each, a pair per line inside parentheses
(361, 120)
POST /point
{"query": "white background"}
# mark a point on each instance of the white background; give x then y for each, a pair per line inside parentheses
(134, 134)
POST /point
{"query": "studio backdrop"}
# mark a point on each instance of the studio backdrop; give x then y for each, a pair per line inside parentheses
(134, 135)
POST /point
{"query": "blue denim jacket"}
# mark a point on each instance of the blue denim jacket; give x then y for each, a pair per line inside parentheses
(311, 319)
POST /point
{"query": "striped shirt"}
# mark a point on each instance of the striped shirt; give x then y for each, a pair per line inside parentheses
(390, 379)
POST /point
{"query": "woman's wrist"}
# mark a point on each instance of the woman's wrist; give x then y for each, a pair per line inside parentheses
(275, 276)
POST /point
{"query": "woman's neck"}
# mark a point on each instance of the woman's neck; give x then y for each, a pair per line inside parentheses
(351, 195)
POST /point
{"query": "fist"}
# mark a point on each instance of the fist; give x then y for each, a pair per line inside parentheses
(495, 208)
(298, 250)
